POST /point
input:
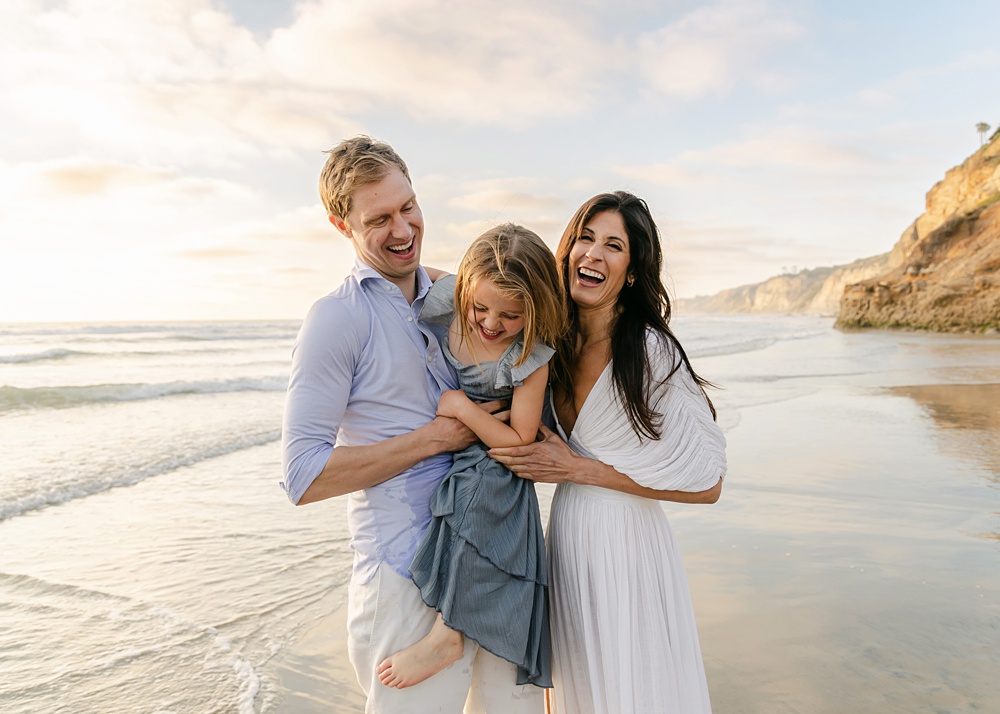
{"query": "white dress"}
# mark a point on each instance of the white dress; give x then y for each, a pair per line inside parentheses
(624, 638)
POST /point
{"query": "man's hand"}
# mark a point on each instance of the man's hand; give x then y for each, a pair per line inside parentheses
(452, 435)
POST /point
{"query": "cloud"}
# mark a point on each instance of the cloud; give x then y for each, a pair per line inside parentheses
(695, 241)
(779, 159)
(665, 174)
(503, 201)
(305, 224)
(790, 149)
(183, 79)
(710, 49)
(285, 261)
(161, 77)
(444, 247)
(470, 207)
(923, 89)
(916, 80)
(703, 259)
(87, 177)
(476, 61)
(298, 271)
(275, 242)
(217, 253)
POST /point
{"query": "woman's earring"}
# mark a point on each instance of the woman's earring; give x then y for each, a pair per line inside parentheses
(630, 280)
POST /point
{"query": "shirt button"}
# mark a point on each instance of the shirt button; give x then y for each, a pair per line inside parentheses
(409, 318)
(388, 288)
(429, 359)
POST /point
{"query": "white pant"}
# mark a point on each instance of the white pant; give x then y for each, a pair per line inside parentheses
(386, 615)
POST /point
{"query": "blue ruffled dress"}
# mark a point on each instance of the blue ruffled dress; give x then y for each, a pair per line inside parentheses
(481, 562)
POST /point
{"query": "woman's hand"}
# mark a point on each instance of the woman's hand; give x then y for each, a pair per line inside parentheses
(549, 460)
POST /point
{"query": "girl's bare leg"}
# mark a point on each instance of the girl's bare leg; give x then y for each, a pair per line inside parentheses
(439, 648)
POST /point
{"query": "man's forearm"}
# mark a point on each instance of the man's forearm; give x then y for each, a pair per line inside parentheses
(353, 468)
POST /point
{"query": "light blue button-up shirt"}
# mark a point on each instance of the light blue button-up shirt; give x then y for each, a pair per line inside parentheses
(364, 369)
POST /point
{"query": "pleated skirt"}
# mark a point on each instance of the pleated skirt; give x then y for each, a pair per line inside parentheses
(624, 639)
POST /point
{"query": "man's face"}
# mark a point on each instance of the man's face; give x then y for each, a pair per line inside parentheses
(386, 227)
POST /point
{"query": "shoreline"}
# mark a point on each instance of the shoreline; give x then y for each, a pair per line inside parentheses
(315, 674)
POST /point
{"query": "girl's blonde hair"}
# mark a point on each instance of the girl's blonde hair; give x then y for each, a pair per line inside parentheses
(521, 266)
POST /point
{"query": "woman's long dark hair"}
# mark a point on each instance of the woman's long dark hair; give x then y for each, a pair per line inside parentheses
(644, 304)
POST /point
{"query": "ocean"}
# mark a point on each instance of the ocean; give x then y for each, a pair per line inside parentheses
(149, 561)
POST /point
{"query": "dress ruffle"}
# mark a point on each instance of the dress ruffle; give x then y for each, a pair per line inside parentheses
(486, 573)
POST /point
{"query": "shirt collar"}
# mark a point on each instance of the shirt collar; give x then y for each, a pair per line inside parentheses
(362, 271)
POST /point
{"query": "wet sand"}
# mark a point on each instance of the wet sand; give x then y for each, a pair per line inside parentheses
(853, 563)
(317, 676)
(857, 568)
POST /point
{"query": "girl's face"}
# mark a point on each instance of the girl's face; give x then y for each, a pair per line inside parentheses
(493, 316)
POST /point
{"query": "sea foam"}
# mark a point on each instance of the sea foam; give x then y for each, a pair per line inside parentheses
(72, 396)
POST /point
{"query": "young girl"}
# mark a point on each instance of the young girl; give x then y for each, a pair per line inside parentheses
(481, 563)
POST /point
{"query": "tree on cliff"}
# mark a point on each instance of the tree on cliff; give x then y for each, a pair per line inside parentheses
(982, 127)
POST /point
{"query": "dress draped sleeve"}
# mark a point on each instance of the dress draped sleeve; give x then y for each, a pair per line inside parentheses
(439, 303)
(690, 454)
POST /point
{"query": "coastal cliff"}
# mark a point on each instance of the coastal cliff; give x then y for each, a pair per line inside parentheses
(944, 272)
(812, 291)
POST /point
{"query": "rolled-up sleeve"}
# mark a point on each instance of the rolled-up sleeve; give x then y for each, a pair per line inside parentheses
(319, 389)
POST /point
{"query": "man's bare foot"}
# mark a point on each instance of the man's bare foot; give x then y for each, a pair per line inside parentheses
(439, 648)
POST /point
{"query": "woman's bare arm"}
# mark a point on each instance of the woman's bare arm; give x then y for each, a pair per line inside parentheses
(550, 460)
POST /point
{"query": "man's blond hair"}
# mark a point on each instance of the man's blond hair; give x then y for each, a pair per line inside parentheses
(355, 162)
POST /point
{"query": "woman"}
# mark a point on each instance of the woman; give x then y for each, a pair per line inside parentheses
(635, 427)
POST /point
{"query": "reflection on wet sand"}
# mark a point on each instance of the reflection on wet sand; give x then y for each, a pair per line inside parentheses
(852, 564)
(968, 416)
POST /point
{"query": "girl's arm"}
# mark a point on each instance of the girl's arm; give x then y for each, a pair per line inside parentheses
(525, 412)
(552, 461)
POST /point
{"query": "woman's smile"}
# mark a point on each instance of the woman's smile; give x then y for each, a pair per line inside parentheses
(591, 277)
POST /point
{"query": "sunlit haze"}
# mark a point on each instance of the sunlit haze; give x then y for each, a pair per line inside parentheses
(160, 158)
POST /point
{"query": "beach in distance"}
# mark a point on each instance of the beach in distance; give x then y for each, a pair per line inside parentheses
(151, 563)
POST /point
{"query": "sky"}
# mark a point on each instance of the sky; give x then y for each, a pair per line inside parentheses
(159, 159)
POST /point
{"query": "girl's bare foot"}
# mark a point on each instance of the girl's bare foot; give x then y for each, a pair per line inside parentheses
(439, 648)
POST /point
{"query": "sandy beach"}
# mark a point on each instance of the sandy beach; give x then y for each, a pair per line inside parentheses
(316, 675)
(151, 563)
(853, 563)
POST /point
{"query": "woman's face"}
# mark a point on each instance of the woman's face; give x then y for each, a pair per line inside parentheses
(598, 262)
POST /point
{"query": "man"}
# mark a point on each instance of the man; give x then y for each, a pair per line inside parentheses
(360, 420)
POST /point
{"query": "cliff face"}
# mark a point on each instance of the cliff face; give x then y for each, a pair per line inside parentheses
(816, 291)
(944, 272)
